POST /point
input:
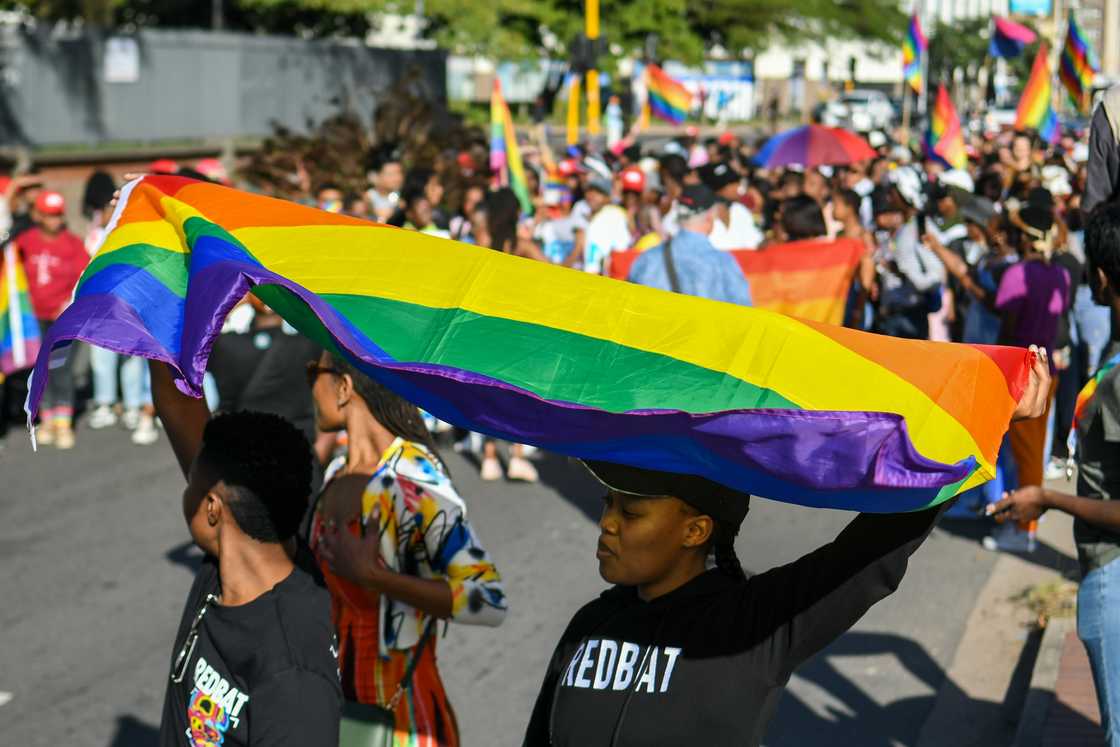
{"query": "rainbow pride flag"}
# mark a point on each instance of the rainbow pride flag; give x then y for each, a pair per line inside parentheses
(19, 329)
(913, 47)
(505, 156)
(1035, 110)
(534, 353)
(807, 279)
(668, 99)
(1077, 66)
(944, 139)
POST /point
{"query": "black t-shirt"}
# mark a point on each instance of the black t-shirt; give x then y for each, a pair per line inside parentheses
(262, 673)
(265, 371)
(706, 663)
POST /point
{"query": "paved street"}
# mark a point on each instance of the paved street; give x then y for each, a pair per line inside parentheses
(96, 565)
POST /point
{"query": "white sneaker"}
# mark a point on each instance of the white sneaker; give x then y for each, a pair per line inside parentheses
(131, 419)
(491, 469)
(522, 469)
(145, 433)
(1055, 469)
(1009, 538)
(102, 417)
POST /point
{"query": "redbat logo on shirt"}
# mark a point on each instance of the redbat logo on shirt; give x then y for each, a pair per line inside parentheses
(603, 664)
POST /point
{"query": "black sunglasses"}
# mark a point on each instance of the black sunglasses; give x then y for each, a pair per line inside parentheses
(314, 370)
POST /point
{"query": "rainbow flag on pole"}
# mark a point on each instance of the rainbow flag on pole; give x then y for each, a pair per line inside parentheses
(913, 47)
(533, 353)
(1035, 109)
(668, 99)
(19, 329)
(1077, 66)
(505, 156)
(945, 139)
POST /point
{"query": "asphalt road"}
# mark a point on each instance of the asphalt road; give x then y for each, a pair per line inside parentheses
(96, 563)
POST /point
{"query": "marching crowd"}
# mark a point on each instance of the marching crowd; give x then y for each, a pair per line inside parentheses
(994, 253)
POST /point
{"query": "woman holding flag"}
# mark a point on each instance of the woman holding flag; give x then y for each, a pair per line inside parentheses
(685, 648)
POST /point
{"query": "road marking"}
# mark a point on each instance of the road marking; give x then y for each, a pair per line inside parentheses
(5, 697)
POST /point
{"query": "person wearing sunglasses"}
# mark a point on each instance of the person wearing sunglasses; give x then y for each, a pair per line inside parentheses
(392, 539)
(254, 660)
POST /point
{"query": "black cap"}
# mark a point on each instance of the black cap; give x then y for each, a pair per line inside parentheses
(716, 176)
(695, 199)
(727, 506)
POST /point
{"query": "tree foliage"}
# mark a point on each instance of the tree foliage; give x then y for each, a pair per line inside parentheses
(504, 29)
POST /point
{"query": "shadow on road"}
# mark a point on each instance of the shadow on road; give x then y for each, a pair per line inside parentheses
(573, 483)
(1045, 555)
(187, 555)
(132, 732)
(848, 715)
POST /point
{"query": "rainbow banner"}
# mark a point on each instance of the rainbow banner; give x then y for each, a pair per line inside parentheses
(1035, 110)
(913, 47)
(667, 98)
(1077, 66)
(945, 140)
(1009, 38)
(527, 351)
(19, 329)
(807, 279)
(505, 156)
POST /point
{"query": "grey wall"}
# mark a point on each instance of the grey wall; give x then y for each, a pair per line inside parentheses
(192, 84)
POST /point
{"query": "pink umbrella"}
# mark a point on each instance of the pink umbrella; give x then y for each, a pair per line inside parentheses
(814, 145)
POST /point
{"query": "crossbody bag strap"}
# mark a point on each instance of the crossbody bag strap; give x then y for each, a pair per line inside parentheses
(406, 679)
(671, 267)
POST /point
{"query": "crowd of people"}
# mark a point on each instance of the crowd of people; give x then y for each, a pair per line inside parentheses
(994, 253)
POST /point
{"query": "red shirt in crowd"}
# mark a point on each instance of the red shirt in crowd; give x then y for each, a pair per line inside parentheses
(53, 266)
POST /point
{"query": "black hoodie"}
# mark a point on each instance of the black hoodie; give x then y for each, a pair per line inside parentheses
(706, 663)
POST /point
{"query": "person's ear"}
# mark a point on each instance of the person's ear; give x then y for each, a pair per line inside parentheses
(214, 507)
(345, 390)
(1102, 282)
(698, 530)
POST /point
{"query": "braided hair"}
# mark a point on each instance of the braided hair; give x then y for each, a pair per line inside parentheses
(723, 552)
(399, 416)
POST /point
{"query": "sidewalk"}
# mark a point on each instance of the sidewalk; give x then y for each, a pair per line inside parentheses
(1073, 717)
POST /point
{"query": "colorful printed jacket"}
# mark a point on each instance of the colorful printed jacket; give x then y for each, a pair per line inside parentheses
(424, 532)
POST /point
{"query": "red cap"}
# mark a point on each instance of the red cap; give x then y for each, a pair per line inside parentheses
(726, 138)
(163, 166)
(212, 168)
(50, 203)
(569, 167)
(633, 180)
(466, 163)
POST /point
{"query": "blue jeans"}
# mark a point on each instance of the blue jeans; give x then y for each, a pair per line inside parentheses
(1098, 627)
(1091, 328)
(136, 386)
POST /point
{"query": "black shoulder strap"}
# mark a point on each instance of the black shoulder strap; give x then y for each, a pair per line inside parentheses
(429, 629)
(671, 267)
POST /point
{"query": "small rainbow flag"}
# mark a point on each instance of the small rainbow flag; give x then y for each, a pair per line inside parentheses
(667, 98)
(1009, 38)
(586, 366)
(1035, 110)
(945, 139)
(807, 279)
(1077, 66)
(913, 47)
(19, 330)
(505, 156)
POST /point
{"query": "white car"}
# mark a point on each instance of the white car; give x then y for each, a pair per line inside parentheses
(861, 110)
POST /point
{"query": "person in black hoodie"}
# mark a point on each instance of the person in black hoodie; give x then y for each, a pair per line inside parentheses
(679, 653)
(254, 659)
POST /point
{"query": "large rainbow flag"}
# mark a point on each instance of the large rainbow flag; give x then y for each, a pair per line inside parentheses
(945, 139)
(913, 47)
(19, 329)
(1035, 109)
(1077, 66)
(667, 98)
(505, 156)
(808, 279)
(534, 353)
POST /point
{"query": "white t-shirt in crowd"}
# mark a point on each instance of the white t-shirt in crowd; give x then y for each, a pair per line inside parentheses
(557, 237)
(741, 233)
(607, 231)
